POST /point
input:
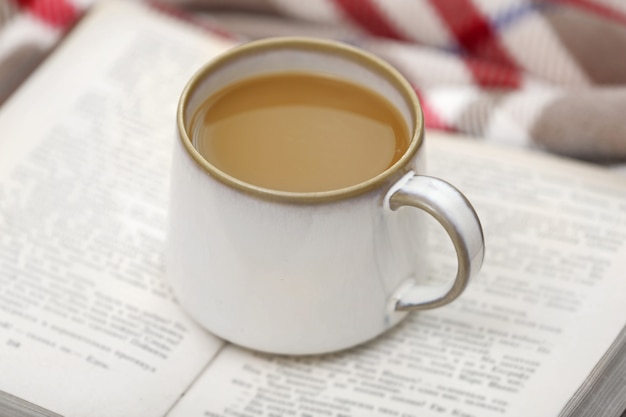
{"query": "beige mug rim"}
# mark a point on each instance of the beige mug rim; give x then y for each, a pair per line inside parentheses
(303, 43)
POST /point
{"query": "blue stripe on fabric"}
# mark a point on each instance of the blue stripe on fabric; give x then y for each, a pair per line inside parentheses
(506, 18)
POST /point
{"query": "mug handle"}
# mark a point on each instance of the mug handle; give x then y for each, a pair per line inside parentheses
(457, 216)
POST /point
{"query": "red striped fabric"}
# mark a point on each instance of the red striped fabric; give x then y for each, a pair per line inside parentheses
(432, 119)
(490, 74)
(367, 15)
(56, 13)
(581, 74)
(475, 36)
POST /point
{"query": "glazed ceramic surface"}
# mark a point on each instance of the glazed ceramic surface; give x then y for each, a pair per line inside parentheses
(307, 273)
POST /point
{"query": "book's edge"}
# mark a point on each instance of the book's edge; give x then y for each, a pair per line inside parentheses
(538, 154)
(190, 19)
(603, 394)
(162, 9)
(12, 406)
(39, 60)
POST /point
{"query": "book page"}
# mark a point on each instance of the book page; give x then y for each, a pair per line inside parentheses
(521, 340)
(87, 325)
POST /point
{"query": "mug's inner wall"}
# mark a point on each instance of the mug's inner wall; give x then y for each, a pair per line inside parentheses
(335, 62)
(302, 55)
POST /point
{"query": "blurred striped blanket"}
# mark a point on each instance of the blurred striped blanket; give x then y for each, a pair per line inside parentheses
(543, 74)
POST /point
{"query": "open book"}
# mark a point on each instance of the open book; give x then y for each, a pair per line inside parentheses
(88, 328)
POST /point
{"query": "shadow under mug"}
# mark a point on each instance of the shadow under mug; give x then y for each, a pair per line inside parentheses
(309, 273)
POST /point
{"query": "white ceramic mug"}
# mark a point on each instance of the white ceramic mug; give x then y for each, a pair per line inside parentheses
(305, 273)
